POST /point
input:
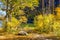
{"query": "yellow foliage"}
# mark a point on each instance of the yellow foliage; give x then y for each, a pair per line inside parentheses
(39, 21)
(58, 12)
(12, 26)
(56, 28)
(44, 22)
(56, 24)
(14, 22)
(23, 19)
(39, 17)
(21, 12)
(57, 9)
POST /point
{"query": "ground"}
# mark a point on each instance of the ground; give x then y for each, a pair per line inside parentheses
(32, 36)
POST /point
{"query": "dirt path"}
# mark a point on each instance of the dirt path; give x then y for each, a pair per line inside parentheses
(30, 37)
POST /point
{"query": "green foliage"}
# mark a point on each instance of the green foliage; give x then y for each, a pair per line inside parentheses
(27, 25)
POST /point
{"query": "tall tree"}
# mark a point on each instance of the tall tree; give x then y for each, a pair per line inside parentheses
(15, 9)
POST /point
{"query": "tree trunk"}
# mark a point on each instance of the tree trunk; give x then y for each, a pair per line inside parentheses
(6, 15)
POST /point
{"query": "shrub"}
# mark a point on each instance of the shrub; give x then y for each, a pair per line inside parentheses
(44, 23)
(14, 25)
(56, 25)
(56, 28)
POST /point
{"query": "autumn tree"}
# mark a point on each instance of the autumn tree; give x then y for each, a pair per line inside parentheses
(15, 13)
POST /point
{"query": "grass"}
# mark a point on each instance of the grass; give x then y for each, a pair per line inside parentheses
(27, 25)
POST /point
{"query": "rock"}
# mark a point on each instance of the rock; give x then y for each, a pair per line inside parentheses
(22, 33)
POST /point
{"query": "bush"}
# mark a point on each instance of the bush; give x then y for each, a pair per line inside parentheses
(47, 23)
(56, 25)
(44, 23)
(56, 28)
(14, 25)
